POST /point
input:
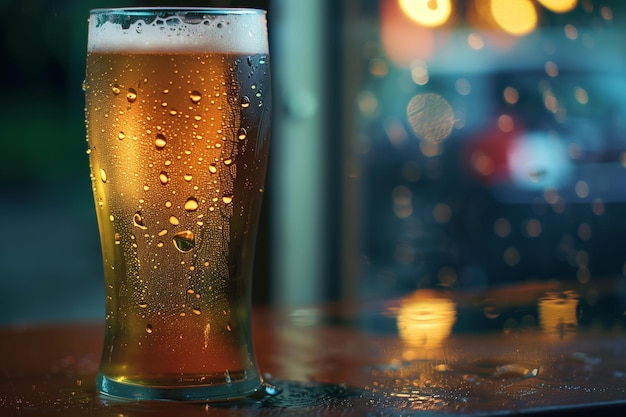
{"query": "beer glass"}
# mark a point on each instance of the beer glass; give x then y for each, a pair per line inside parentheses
(177, 112)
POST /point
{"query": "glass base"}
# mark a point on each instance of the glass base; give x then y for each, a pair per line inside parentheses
(195, 393)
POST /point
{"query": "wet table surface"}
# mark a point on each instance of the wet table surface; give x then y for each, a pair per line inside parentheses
(337, 364)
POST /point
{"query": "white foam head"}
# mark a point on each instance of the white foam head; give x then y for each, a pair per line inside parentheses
(239, 31)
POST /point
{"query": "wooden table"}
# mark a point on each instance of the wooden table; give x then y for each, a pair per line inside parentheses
(331, 364)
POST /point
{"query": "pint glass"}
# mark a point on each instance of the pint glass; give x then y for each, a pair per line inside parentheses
(177, 113)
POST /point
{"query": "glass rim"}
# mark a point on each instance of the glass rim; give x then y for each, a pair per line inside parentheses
(148, 11)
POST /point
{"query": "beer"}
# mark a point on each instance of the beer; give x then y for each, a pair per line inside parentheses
(178, 141)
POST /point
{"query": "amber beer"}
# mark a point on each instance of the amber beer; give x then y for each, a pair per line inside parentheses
(177, 113)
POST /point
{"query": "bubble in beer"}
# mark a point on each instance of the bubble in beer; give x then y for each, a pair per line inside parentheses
(160, 141)
(195, 96)
(138, 221)
(245, 102)
(191, 204)
(131, 95)
(174, 221)
(242, 134)
(103, 175)
(149, 328)
(163, 177)
(184, 241)
(116, 89)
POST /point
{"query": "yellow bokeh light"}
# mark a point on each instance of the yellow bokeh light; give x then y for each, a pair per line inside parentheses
(517, 17)
(559, 6)
(430, 13)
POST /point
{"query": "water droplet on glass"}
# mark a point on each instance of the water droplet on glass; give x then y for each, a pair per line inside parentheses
(160, 141)
(195, 96)
(212, 169)
(121, 135)
(117, 238)
(187, 177)
(242, 134)
(191, 204)
(143, 305)
(163, 177)
(228, 161)
(174, 221)
(245, 102)
(103, 175)
(131, 95)
(196, 311)
(227, 200)
(116, 89)
(184, 241)
(162, 232)
(138, 221)
(149, 328)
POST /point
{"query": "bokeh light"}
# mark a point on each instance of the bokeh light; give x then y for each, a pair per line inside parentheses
(516, 17)
(559, 6)
(429, 13)
(430, 116)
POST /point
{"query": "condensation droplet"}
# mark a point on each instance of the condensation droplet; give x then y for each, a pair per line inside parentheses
(174, 221)
(143, 305)
(187, 177)
(116, 89)
(227, 199)
(117, 238)
(138, 221)
(245, 102)
(163, 177)
(228, 161)
(162, 232)
(242, 134)
(191, 204)
(195, 96)
(212, 169)
(149, 328)
(160, 141)
(196, 311)
(131, 95)
(121, 135)
(103, 175)
(184, 241)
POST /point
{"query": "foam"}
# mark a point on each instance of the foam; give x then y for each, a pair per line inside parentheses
(239, 31)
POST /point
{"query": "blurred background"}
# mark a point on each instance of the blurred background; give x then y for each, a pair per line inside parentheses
(417, 144)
